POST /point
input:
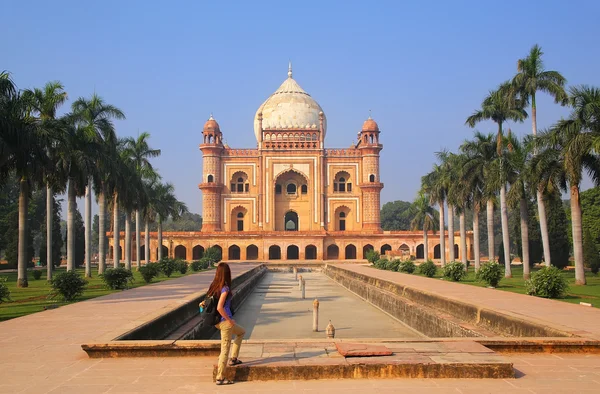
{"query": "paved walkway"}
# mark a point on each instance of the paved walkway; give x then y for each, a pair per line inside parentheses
(276, 310)
(580, 319)
(41, 353)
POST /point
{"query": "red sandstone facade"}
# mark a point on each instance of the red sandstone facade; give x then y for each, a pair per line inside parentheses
(291, 198)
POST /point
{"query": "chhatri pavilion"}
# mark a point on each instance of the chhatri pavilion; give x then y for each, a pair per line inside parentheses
(291, 198)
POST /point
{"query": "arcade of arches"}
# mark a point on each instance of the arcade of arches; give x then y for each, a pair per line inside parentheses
(191, 246)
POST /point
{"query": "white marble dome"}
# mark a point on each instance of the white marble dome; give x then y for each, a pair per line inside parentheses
(290, 107)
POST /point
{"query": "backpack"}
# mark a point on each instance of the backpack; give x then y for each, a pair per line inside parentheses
(210, 316)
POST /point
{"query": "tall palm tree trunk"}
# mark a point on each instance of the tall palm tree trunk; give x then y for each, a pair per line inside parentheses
(101, 233)
(159, 236)
(147, 242)
(463, 239)
(476, 236)
(505, 235)
(71, 203)
(577, 235)
(525, 237)
(425, 244)
(544, 228)
(442, 235)
(451, 255)
(49, 217)
(541, 205)
(22, 248)
(490, 230)
(137, 238)
(88, 230)
(116, 234)
(128, 240)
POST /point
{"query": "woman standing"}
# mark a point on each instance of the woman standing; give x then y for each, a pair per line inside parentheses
(221, 288)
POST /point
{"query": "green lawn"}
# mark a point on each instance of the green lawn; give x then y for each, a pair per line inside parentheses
(34, 298)
(589, 293)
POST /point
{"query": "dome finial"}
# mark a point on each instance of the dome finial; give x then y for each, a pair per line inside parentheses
(290, 69)
(211, 117)
(370, 114)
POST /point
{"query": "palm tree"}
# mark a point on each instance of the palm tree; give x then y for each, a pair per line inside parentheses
(140, 153)
(435, 184)
(445, 159)
(95, 117)
(533, 77)
(501, 106)
(519, 176)
(44, 104)
(423, 218)
(23, 150)
(165, 204)
(573, 140)
(481, 151)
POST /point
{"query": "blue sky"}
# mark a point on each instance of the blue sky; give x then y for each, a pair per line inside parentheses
(421, 67)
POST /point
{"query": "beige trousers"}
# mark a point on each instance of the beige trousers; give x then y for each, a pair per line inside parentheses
(227, 331)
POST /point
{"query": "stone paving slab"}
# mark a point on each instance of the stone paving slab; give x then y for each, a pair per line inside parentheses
(578, 320)
(432, 360)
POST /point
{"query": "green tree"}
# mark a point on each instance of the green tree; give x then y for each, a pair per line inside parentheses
(435, 184)
(43, 105)
(501, 106)
(590, 252)
(94, 118)
(571, 142)
(557, 229)
(533, 77)
(590, 213)
(23, 149)
(393, 216)
(424, 218)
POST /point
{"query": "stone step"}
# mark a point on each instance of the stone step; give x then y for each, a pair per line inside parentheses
(409, 360)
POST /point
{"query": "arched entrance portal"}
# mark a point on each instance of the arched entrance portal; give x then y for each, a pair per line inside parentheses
(180, 252)
(350, 252)
(291, 221)
(310, 252)
(274, 252)
(436, 252)
(252, 252)
(197, 252)
(366, 248)
(333, 252)
(420, 251)
(385, 248)
(234, 252)
(293, 253)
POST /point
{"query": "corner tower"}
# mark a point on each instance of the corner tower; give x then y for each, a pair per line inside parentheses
(212, 182)
(371, 186)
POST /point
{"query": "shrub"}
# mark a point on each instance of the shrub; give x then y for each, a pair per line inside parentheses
(590, 252)
(381, 263)
(149, 271)
(490, 273)
(117, 278)
(213, 255)
(455, 271)
(548, 282)
(4, 292)
(167, 266)
(392, 265)
(372, 256)
(428, 269)
(182, 266)
(69, 285)
(37, 274)
(407, 266)
(201, 264)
